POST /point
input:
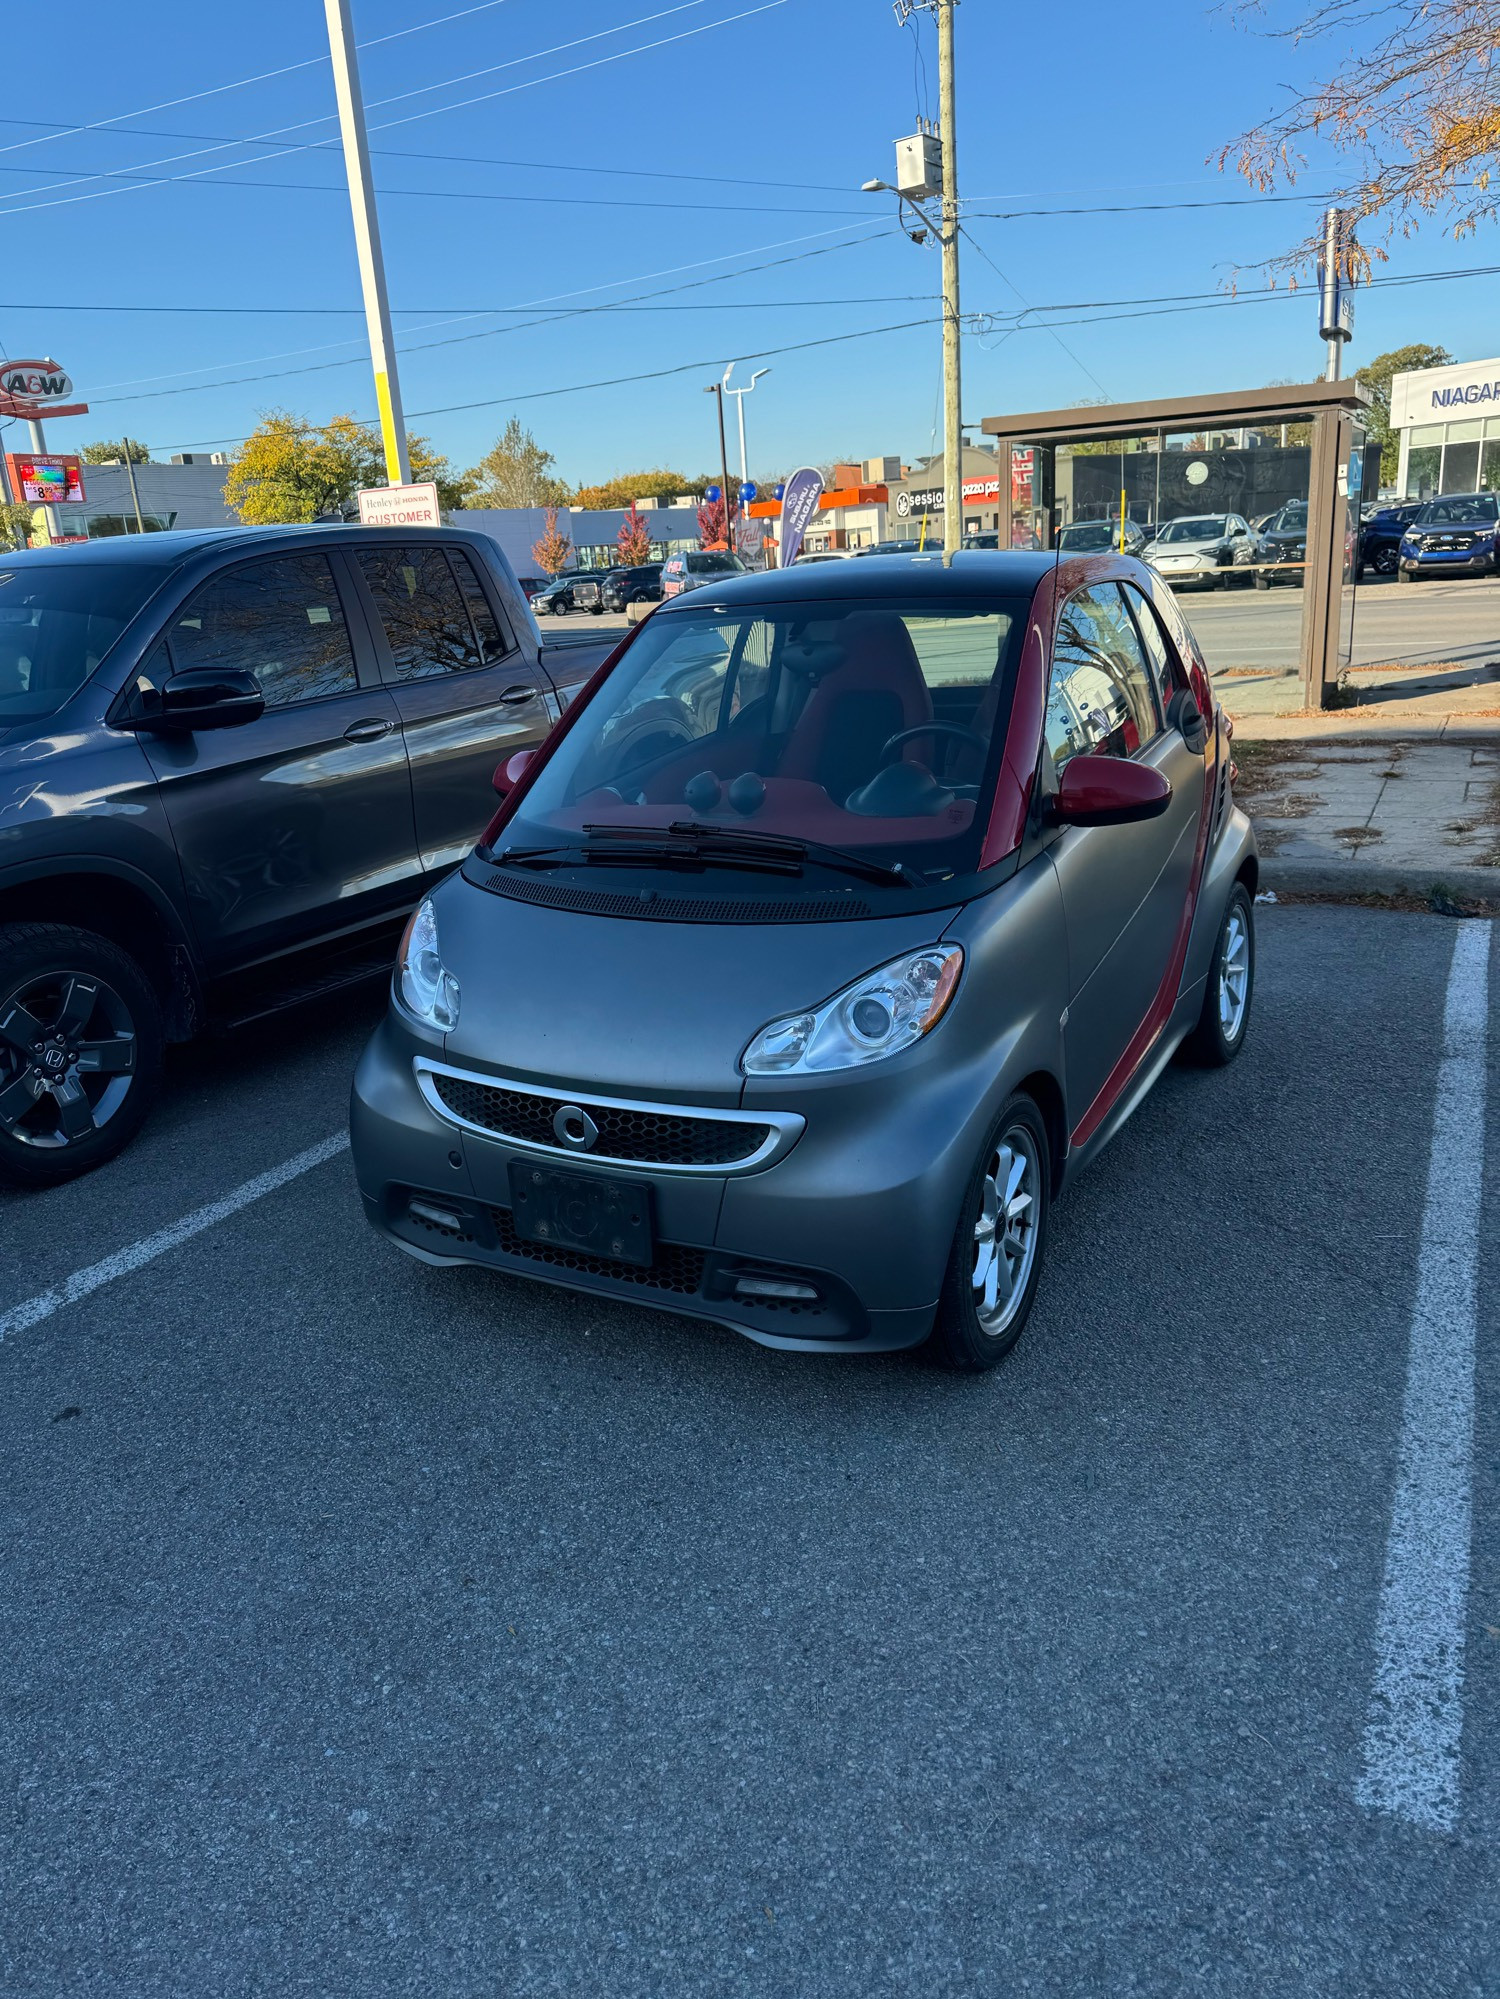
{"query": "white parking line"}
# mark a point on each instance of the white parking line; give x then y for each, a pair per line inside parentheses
(21, 1317)
(1413, 1733)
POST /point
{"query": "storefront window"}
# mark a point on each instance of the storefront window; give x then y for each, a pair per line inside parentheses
(1461, 464)
(1422, 466)
(1489, 466)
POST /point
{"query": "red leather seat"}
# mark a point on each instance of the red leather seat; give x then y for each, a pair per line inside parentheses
(875, 692)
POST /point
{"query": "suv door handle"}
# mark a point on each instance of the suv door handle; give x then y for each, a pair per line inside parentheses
(370, 730)
(514, 696)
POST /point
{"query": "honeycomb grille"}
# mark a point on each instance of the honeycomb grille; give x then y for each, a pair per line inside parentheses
(672, 1268)
(659, 1138)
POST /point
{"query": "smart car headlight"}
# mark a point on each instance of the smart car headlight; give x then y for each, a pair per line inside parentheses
(428, 989)
(878, 1015)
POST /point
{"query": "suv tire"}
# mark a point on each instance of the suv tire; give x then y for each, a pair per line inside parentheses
(81, 1039)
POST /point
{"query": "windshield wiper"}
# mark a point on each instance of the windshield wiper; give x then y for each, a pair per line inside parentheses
(614, 846)
(748, 839)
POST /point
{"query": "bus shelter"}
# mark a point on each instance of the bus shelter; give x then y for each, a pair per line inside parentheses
(1277, 457)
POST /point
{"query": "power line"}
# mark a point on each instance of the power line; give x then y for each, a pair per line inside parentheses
(434, 111)
(1082, 366)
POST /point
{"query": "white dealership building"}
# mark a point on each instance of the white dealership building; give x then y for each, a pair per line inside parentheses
(1449, 420)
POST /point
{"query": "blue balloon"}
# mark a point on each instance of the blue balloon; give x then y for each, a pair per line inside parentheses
(748, 490)
(713, 494)
(781, 492)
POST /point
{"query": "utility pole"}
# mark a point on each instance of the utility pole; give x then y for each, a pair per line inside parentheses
(953, 475)
(135, 498)
(716, 389)
(367, 240)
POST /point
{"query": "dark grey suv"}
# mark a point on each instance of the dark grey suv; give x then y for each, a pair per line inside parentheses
(229, 764)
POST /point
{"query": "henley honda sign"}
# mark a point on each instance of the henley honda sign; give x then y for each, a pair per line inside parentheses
(400, 506)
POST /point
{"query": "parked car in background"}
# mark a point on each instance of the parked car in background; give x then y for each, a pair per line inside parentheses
(230, 762)
(1281, 549)
(1455, 535)
(640, 584)
(834, 932)
(1209, 550)
(588, 590)
(556, 597)
(897, 547)
(1380, 536)
(1098, 537)
(681, 573)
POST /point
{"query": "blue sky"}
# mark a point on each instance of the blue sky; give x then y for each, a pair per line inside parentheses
(643, 171)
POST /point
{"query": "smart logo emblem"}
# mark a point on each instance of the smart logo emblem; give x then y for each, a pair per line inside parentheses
(575, 1128)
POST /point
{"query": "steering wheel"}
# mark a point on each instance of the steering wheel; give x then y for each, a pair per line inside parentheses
(980, 743)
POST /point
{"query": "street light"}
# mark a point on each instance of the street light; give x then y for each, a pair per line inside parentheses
(717, 389)
(741, 394)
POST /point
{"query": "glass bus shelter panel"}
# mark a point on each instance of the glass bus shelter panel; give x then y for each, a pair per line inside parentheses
(1353, 481)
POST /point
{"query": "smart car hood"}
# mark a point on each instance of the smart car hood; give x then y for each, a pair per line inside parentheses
(621, 1006)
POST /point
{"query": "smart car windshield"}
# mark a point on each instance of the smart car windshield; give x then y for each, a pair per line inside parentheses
(1209, 528)
(1467, 510)
(869, 728)
(57, 621)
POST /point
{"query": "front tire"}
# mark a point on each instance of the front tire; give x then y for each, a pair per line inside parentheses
(1220, 1033)
(996, 1261)
(81, 1037)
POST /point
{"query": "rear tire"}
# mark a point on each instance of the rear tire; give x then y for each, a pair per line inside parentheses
(996, 1260)
(81, 1037)
(1222, 1025)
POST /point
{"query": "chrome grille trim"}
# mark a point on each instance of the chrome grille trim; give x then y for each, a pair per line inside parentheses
(785, 1127)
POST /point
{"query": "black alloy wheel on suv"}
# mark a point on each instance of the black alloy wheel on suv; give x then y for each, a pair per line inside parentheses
(81, 1036)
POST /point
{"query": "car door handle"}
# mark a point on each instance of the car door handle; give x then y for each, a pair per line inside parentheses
(514, 696)
(370, 730)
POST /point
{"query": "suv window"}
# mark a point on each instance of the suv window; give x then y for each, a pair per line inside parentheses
(1099, 700)
(494, 643)
(57, 621)
(422, 609)
(279, 619)
(714, 563)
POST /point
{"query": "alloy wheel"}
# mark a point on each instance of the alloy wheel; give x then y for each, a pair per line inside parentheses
(1005, 1231)
(67, 1059)
(1234, 976)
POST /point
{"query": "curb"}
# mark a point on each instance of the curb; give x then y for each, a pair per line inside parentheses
(1346, 878)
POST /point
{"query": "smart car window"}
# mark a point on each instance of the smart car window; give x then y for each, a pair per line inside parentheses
(1099, 699)
(854, 724)
(280, 619)
(57, 621)
(426, 623)
(1164, 669)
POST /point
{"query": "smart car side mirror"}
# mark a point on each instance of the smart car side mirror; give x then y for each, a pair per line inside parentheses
(1184, 714)
(1108, 791)
(509, 774)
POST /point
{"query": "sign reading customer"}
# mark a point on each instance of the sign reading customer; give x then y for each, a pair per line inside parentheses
(799, 502)
(400, 506)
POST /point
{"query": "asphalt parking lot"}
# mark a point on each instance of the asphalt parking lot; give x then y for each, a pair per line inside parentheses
(371, 1629)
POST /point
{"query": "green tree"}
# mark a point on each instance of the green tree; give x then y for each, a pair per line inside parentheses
(15, 524)
(1376, 375)
(628, 486)
(113, 451)
(291, 470)
(514, 472)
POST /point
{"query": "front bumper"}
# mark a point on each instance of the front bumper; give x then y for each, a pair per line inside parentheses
(866, 1228)
(1449, 561)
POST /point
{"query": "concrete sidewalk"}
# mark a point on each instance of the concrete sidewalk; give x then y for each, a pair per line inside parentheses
(1414, 817)
(1448, 701)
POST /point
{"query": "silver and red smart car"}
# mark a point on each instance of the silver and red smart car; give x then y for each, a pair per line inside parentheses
(848, 911)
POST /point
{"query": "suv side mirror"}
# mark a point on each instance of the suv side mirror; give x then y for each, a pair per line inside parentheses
(200, 697)
(1108, 791)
